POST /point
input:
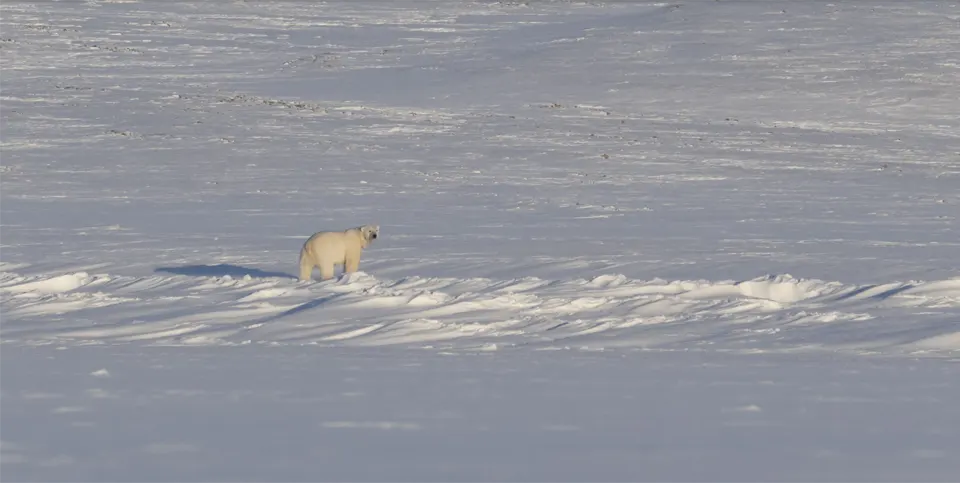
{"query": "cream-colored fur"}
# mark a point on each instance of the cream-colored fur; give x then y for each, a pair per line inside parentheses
(326, 249)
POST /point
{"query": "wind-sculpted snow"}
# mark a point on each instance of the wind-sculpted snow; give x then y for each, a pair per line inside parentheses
(774, 313)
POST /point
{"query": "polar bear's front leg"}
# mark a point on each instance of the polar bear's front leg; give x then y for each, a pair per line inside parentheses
(351, 263)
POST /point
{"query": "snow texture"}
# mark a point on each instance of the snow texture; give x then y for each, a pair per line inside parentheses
(605, 228)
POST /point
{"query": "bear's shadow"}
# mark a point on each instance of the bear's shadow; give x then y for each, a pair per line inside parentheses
(221, 270)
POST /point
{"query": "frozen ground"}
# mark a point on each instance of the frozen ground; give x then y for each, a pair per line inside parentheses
(580, 194)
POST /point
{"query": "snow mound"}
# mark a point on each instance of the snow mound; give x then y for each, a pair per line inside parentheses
(54, 285)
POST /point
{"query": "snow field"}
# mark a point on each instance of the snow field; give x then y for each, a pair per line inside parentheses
(622, 241)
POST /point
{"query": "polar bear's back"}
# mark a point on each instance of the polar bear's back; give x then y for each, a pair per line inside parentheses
(327, 240)
(332, 245)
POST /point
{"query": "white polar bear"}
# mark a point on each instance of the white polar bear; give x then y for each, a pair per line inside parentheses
(328, 248)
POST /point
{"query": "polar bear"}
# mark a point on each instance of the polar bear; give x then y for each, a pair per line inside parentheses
(328, 248)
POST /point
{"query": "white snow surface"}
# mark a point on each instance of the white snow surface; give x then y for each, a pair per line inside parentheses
(579, 194)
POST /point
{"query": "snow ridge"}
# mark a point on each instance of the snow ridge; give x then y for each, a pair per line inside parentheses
(770, 313)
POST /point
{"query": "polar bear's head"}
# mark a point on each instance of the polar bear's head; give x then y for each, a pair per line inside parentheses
(370, 232)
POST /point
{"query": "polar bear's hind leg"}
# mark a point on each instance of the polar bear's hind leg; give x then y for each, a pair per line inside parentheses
(326, 271)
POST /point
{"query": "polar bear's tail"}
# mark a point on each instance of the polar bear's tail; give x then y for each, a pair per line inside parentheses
(306, 265)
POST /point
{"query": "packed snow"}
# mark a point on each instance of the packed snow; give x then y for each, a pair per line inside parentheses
(617, 239)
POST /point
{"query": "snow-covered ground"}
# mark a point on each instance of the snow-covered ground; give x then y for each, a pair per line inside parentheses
(592, 216)
(133, 413)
